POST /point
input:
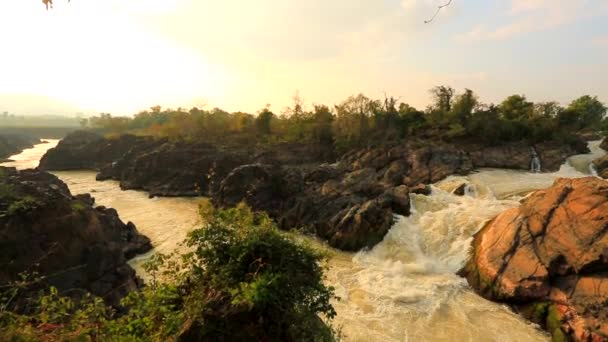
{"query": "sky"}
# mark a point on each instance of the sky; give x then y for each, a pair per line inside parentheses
(121, 57)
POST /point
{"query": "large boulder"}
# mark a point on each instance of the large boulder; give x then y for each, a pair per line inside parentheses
(549, 257)
(76, 247)
(264, 187)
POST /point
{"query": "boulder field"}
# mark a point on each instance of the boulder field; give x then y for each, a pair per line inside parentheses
(549, 259)
(351, 203)
(68, 242)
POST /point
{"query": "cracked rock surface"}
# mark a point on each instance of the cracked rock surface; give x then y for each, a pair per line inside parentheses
(549, 258)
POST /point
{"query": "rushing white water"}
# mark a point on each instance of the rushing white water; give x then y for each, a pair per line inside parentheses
(405, 288)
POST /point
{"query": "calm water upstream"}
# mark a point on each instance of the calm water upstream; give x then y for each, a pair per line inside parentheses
(404, 289)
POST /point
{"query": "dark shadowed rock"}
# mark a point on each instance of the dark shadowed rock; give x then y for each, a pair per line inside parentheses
(604, 144)
(421, 189)
(460, 190)
(601, 166)
(12, 143)
(550, 258)
(77, 247)
(263, 187)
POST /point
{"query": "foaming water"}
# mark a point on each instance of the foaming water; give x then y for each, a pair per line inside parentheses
(405, 288)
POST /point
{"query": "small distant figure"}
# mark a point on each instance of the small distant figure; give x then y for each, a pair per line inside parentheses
(48, 3)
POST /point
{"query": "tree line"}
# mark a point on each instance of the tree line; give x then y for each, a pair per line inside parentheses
(361, 121)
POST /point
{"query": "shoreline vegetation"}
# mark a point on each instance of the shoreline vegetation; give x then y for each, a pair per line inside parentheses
(359, 122)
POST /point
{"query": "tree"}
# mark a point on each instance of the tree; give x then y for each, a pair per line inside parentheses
(589, 110)
(463, 107)
(516, 107)
(442, 98)
(322, 125)
(351, 126)
(263, 120)
(549, 109)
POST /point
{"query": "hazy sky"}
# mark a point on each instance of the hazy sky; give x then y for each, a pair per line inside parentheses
(122, 56)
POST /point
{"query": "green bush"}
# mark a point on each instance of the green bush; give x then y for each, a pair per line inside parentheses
(242, 280)
(262, 275)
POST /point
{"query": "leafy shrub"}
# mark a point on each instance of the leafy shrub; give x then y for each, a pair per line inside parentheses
(242, 280)
(244, 265)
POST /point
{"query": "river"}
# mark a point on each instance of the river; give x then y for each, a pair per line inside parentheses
(405, 288)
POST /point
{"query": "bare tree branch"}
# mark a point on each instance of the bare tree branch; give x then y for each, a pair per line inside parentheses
(439, 8)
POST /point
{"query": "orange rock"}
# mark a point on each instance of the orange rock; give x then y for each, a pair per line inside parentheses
(552, 249)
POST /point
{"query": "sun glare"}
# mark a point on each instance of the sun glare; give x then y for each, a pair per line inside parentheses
(95, 56)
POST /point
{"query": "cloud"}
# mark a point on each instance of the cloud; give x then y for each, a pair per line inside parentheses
(521, 6)
(601, 41)
(527, 16)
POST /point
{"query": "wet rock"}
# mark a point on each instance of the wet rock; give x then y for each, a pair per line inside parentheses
(601, 166)
(604, 144)
(43, 228)
(421, 189)
(460, 190)
(551, 254)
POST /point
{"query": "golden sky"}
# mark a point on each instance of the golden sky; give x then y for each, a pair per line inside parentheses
(122, 56)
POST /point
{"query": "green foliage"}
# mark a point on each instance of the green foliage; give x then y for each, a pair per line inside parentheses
(516, 108)
(243, 279)
(23, 205)
(360, 121)
(78, 206)
(589, 111)
(262, 274)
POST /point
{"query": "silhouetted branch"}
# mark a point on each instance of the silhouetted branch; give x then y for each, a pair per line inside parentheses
(439, 8)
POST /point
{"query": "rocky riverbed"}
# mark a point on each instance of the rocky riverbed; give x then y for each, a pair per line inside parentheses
(350, 203)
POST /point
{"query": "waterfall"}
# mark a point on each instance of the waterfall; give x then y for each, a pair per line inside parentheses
(593, 170)
(535, 165)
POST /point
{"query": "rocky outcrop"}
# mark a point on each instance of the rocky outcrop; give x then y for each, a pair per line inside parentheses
(601, 164)
(351, 203)
(519, 156)
(11, 144)
(74, 246)
(549, 258)
(604, 144)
